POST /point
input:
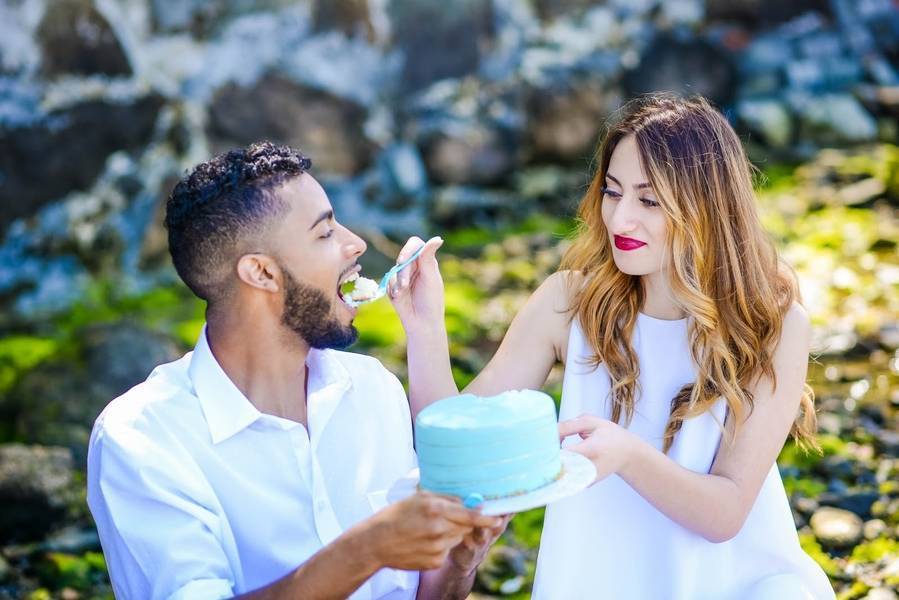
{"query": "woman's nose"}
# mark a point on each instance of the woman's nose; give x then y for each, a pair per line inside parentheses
(624, 217)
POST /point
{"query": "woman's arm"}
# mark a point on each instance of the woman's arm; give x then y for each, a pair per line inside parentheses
(714, 505)
(528, 351)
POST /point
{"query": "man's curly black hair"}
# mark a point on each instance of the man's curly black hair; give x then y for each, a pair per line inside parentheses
(217, 212)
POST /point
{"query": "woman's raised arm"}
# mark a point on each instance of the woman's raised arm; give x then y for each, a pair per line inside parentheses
(534, 342)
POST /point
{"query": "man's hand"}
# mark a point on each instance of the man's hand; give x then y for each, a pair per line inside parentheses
(418, 533)
(471, 552)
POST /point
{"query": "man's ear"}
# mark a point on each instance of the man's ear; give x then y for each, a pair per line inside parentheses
(259, 271)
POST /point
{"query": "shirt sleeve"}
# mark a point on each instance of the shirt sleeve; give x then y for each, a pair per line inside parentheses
(404, 427)
(155, 516)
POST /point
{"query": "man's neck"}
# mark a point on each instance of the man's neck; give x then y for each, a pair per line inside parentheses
(264, 360)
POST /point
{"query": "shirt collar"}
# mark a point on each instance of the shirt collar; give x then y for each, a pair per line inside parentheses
(228, 411)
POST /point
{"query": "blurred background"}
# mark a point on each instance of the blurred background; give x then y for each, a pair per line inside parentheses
(472, 119)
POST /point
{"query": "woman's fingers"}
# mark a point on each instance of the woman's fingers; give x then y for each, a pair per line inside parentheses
(408, 274)
(583, 426)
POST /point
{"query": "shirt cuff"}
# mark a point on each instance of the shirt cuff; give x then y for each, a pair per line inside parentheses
(204, 589)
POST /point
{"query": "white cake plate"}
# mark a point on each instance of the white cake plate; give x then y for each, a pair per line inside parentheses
(577, 473)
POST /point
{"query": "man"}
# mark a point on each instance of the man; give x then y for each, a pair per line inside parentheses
(259, 463)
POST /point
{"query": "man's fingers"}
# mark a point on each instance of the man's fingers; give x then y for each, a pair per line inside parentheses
(470, 518)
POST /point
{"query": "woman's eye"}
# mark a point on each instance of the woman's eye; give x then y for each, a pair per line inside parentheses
(609, 192)
(649, 203)
(328, 234)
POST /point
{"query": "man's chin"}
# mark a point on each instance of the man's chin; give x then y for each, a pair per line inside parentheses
(335, 339)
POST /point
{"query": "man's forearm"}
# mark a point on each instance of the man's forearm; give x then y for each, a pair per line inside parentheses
(445, 583)
(334, 572)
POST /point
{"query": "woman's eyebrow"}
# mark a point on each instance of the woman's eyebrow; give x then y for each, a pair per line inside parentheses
(639, 186)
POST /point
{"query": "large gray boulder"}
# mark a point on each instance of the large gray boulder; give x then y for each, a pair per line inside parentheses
(57, 402)
(325, 127)
(440, 38)
(64, 151)
(76, 39)
(36, 488)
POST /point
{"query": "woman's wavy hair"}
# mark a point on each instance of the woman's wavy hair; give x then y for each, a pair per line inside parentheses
(724, 271)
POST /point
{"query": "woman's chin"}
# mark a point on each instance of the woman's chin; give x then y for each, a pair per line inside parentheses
(636, 270)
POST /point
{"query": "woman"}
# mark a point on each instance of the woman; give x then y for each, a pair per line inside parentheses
(685, 351)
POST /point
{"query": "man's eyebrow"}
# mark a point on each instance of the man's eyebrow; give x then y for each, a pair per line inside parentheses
(639, 186)
(325, 216)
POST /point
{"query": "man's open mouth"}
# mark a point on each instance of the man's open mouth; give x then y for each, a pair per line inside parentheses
(354, 289)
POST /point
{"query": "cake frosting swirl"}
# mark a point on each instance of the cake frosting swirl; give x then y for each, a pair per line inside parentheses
(495, 446)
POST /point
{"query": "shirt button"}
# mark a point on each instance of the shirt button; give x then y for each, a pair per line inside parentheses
(321, 505)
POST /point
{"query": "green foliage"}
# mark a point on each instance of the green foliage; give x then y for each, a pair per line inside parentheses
(22, 352)
(526, 527)
(378, 325)
(811, 547)
(69, 570)
(793, 456)
(857, 590)
(804, 486)
(875, 550)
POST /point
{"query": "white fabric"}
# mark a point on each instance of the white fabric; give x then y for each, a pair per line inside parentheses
(609, 542)
(198, 495)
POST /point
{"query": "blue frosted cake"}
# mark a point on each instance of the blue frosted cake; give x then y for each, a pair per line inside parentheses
(495, 447)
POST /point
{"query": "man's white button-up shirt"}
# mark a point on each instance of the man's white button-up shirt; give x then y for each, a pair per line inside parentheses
(196, 494)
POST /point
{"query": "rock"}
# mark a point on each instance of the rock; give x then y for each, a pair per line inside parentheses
(833, 119)
(564, 120)
(874, 528)
(861, 192)
(324, 127)
(888, 441)
(450, 45)
(889, 333)
(836, 528)
(404, 174)
(121, 355)
(35, 489)
(73, 540)
(881, 593)
(805, 505)
(202, 17)
(769, 118)
(56, 403)
(351, 17)
(75, 38)
(458, 206)
(472, 153)
(692, 66)
(44, 160)
(503, 569)
(549, 10)
(762, 13)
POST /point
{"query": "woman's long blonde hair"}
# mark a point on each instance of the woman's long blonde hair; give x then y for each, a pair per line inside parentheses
(724, 271)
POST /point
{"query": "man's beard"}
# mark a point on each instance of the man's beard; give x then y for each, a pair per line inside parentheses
(307, 312)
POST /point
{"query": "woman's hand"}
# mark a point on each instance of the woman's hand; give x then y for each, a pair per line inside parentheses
(417, 292)
(608, 445)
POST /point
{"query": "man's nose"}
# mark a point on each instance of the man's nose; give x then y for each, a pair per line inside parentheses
(354, 245)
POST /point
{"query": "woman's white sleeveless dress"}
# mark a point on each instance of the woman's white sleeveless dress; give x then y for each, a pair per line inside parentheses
(608, 542)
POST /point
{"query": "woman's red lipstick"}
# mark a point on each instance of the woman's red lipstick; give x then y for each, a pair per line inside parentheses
(626, 243)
